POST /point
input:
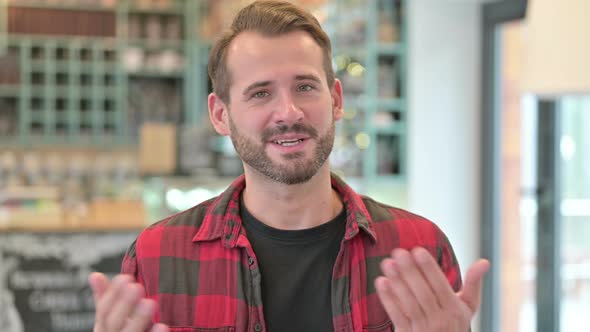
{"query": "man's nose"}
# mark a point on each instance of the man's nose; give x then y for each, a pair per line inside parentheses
(287, 111)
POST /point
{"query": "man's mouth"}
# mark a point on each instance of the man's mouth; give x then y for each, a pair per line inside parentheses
(290, 142)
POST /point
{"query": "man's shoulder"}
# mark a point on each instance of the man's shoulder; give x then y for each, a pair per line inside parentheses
(188, 221)
(384, 213)
(192, 217)
(382, 216)
(398, 228)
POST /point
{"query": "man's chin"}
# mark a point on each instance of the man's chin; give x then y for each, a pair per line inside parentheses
(290, 176)
(295, 179)
(293, 156)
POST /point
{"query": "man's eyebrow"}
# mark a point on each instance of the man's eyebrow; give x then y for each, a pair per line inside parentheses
(254, 86)
(308, 77)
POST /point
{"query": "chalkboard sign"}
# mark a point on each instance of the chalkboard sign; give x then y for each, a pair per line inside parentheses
(44, 278)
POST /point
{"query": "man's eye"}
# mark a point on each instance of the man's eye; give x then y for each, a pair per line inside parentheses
(305, 87)
(260, 94)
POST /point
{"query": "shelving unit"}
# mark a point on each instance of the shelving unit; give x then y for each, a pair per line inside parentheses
(80, 78)
(92, 86)
(369, 47)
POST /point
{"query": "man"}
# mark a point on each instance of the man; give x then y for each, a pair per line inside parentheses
(288, 246)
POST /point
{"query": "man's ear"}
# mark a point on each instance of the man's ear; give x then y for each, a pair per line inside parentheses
(337, 99)
(218, 114)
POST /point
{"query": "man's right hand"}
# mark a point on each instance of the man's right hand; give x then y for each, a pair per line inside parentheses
(121, 306)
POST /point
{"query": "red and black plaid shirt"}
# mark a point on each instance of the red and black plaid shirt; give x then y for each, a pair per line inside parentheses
(200, 267)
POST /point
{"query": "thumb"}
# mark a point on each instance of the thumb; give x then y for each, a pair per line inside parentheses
(471, 292)
(99, 283)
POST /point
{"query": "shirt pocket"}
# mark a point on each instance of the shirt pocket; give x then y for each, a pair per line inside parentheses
(202, 329)
(385, 327)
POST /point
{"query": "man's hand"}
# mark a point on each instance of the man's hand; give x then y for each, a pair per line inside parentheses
(120, 306)
(418, 298)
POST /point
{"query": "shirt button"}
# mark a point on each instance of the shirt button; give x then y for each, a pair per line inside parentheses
(228, 236)
(250, 260)
(257, 327)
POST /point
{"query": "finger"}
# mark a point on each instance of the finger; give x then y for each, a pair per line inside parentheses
(106, 301)
(160, 328)
(407, 301)
(99, 283)
(420, 288)
(142, 316)
(390, 304)
(471, 292)
(435, 277)
(131, 295)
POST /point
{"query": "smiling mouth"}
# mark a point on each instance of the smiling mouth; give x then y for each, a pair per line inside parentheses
(291, 142)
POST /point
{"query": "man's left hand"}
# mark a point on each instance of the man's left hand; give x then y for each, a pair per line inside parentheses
(418, 297)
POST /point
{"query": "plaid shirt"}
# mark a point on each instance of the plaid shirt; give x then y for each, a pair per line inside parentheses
(200, 267)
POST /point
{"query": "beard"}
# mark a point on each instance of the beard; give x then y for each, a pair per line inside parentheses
(294, 169)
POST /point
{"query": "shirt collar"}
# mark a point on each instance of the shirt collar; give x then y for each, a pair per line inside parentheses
(222, 219)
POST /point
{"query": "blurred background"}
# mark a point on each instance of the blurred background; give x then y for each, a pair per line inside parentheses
(472, 113)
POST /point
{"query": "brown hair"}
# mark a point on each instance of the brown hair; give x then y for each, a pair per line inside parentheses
(270, 18)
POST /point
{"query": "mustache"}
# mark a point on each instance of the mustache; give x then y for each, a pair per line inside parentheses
(297, 128)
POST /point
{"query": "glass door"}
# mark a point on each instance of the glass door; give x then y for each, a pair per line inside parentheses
(544, 237)
(575, 213)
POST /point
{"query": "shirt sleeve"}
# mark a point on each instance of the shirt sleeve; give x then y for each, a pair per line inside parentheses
(129, 265)
(448, 261)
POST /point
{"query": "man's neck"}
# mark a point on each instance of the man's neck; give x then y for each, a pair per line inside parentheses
(292, 207)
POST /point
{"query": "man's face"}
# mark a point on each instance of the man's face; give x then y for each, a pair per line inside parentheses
(281, 113)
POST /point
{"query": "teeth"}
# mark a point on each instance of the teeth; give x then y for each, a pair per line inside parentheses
(289, 143)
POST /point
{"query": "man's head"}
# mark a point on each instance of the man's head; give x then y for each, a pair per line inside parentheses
(280, 105)
(268, 18)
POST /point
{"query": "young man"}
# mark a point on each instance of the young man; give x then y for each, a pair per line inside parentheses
(288, 246)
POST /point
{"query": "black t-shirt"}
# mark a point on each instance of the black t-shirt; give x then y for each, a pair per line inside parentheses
(296, 268)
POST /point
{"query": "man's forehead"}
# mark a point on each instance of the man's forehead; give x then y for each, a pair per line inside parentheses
(295, 55)
(255, 44)
(257, 36)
